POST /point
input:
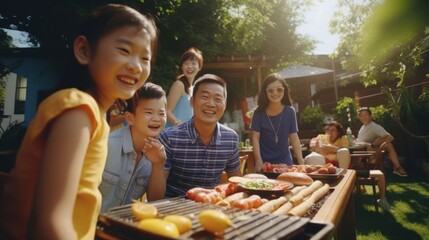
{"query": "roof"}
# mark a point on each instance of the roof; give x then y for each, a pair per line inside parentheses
(297, 71)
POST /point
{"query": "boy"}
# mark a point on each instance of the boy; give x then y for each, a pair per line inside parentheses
(135, 158)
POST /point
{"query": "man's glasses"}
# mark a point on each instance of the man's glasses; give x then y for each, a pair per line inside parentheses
(272, 90)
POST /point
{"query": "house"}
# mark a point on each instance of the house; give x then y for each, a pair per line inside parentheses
(33, 73)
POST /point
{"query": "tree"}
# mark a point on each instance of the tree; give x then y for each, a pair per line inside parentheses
(386, 41)
(217, 27)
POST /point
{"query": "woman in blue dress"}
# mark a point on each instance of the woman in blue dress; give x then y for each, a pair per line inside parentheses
(178, 102)
(274, 124)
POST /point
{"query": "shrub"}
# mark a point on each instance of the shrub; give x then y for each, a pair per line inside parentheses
(383, 116)
(12, 136)
(312, 118)
(346, 112)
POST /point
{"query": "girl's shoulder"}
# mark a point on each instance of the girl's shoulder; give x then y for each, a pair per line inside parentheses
(178, 86)
(288, 108)
(72, 96)
(67, 99)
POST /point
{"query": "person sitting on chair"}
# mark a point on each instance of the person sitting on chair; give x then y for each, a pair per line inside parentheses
(330, 147)
(374, 134)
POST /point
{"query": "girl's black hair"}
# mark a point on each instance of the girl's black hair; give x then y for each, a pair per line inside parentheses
(100, 22)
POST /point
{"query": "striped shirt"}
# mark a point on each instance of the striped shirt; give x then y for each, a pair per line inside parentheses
(191, 163)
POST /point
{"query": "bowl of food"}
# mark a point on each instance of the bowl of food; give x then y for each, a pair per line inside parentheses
(266, 188)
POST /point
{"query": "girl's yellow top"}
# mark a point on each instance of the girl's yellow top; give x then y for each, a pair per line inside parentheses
(19, 192)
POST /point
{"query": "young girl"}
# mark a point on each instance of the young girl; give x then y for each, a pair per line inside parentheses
(274, 124)
(178, 107)
(53, 192)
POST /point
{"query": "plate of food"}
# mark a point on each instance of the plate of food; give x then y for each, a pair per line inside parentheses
(327, 176)
(266, 188)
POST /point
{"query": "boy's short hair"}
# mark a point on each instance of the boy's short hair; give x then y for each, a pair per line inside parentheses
(147, 91)
(365, 109)
(209, 78)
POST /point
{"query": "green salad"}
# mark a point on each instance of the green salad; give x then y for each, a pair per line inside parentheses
(259, 185)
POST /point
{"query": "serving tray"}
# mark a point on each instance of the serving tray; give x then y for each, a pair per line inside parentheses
(314, 176)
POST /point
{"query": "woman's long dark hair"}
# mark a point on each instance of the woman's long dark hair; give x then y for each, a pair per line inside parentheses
(190, 54)
(263, 97)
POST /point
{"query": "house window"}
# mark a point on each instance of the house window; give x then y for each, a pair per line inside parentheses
(312, 92)
(312, 89)
(21, 94)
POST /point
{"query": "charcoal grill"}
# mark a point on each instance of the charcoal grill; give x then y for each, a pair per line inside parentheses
(119, 222)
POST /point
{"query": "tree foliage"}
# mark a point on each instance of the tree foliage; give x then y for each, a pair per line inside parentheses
(386, 41)
(345, 112)
(312, 118)
(217, 27)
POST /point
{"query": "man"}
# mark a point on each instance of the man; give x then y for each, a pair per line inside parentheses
(330, 147)
(199, 150)
(374, 135)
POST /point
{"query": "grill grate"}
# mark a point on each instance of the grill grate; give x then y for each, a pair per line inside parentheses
(249, 224)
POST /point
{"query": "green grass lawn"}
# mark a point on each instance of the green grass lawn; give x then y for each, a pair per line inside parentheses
(409, 220)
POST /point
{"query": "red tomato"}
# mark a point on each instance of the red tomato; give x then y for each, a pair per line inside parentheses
(267, 167)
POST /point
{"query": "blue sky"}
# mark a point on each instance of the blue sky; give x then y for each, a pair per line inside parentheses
(316, 26)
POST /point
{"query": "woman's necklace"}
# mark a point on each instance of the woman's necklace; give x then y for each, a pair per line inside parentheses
(276, 133)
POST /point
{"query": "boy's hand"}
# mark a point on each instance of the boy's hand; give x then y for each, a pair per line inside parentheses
(154, 151)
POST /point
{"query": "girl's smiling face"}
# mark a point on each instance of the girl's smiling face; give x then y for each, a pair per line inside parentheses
(190, 68)
(275, 91)
(121, 63)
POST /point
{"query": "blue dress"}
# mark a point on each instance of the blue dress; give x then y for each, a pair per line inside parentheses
(270, 150)
(183, 110)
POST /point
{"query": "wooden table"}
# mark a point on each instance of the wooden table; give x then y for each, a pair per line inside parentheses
(339, 208)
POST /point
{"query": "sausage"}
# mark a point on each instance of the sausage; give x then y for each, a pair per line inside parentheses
(192, 193)
(253, 201)
(227, 189)
(232, 198)
(210, 197)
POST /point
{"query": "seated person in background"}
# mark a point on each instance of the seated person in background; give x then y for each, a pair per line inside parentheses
(374, 134)
(115, 115)
(330, 147)
(199, 150)
(135, 159)
(381, 183)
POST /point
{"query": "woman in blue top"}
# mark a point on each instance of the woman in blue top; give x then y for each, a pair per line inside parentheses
(274, 123)
(178, 102)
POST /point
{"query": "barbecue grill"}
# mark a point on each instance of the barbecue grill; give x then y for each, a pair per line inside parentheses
(119, 222)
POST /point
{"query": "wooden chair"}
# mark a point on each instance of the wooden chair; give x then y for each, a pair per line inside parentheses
(243, 163)
(371, 167)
